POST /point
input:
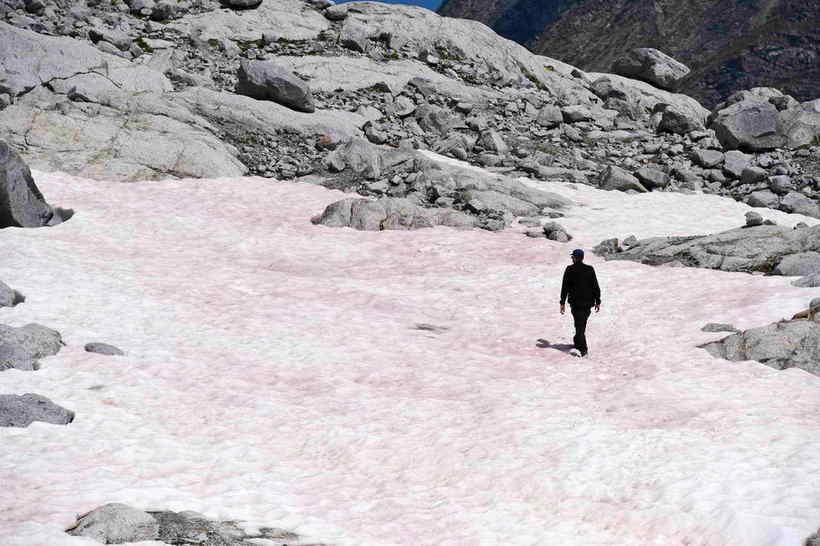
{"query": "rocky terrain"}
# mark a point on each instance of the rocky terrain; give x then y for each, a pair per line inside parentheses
(196, 89)
(730, 44)
(366, 98)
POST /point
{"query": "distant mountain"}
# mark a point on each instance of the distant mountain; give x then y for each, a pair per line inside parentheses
(728, 44)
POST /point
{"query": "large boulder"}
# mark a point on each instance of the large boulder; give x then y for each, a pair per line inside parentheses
(782, 345)
(798, 203)
(679, 122)
(266, 80)
(759, 248)
(21, 411)
(21, 203)
(763, 119)
(798, 265)
(636, 99)
(652, 66)
(748, 125)
(615, 178)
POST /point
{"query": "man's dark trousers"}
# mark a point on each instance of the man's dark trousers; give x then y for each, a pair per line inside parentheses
(581, 314)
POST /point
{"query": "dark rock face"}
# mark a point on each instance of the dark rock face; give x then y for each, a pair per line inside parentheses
(21, 203)
(21, 411)
(782, 345)
(731, 44)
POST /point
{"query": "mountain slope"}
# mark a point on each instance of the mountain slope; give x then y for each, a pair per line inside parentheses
(729, 44)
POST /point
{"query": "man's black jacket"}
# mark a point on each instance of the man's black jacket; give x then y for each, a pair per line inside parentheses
(581, 285)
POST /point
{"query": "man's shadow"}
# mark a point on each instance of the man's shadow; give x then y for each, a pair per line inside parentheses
(563, 347)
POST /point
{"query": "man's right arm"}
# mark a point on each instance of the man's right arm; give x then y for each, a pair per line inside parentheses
(565, 286)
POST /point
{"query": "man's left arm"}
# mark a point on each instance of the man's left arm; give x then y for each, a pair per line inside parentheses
(596, 290)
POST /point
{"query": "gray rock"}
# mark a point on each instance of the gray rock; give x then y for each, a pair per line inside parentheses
(607, 247)
(492, 141)
(752, 249)
(630, 241)
(336, 13)
(782, 345)
(8, 296)
(434, 119)
(748, 125)
(781, 184)
(651, 66)
(22, 347)
(103, 349)
(21, 411)
(678, 122)
(14, 356)
(266, 80)
(687, 179)
(615, 178)
(243, 4)
(734, 163)
(800, 204)
(719, 327)
(556, 232)
(387, 214)
(355, 36)
(29, 60)
(707, 159)
(809, 281)
(478, 202)
(21, 203)
(753, 175)
(652, 178)
(763, 198)
(753, 219)
(116, 523)
(799, 265)
(361, 157)
(549, 116)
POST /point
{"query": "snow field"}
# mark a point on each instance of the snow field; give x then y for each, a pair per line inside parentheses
(274, 374)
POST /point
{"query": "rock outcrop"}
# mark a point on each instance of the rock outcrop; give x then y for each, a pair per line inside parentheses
(117, 523)
(21, 203)
(23, 347)
(782, 345)
(116, 96)
(23, 410)
(751, 249)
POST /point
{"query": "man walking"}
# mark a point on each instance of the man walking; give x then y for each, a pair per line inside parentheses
(581, 286)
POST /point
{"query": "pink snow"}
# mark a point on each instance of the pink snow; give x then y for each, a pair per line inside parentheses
(275, 374)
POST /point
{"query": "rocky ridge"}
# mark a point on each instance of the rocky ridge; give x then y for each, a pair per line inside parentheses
(730, 44)
(139, 90)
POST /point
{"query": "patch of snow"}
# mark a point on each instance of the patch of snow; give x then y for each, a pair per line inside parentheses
(273, 373)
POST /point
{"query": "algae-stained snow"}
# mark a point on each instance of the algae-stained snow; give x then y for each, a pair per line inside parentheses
(274, 373)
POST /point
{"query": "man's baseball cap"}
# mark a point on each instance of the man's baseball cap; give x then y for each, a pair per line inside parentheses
(577, 252)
